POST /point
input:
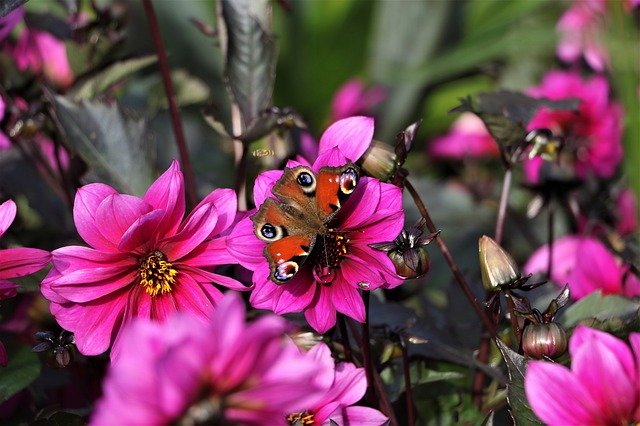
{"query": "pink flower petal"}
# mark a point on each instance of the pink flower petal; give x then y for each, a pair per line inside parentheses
(225, 202)
(85, 207)
(565, 250)
(193, 232)
(321, 314)
(21, 261)
(264, 184)
(142, 235)
(321, 356)
(361, 204)
(167, 193)
(116, 213)
(351, 135)
(363, 416)
(8, 211)
(210, 253)
(8, 289)
(205, 277)
(595, 269)
(245, 246)
(556, 396)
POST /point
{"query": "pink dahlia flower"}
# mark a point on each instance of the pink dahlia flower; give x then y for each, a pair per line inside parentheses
(593, 135)
(353, 98)
(581, 30)
(601, 388)
(587, 265)
(5, 143)
(144, 260)
(373, 213)
(43, 53)
(468, 138)
(223, 372)
(627, 210)
(15, 262)
(344, 385)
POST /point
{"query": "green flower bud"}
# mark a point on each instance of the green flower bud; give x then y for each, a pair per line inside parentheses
(497, 267)
(379, 161)
(544, 340)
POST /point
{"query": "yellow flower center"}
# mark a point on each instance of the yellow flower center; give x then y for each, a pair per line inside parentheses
(156, 274)
(300, 419)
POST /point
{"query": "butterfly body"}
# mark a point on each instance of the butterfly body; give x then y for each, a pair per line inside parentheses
(298, 218)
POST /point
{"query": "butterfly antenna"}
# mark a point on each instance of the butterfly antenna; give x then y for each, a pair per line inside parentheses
(326, 256)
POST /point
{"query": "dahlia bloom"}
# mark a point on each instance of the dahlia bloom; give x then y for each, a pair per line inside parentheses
(344, 385)
(601, 388)
(373, 213)
(223, 372)
(5, 143)
(593, 135)
(468, 138)
(587, 265)
(15, 262)
(43, 53)
(353, 98)
(144, 260)
(627, 212)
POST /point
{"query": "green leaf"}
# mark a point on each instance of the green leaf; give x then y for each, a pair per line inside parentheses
(60, 418)
(605, 308)
(250, 55)
(520, 410)
(23, 368)
(94, 85)
(393, 377)
(115, 147)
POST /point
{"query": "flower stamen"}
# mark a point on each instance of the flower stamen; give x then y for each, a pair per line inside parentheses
(301, 419)
(156, 274)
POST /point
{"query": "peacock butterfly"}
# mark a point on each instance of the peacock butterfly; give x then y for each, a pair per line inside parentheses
(291, 224)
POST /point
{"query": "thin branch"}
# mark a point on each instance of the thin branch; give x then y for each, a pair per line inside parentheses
(408, 394)
(502, 209)
(550, 220)
(176, 121)
(459, 277)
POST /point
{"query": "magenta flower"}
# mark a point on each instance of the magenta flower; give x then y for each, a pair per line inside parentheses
(581, 30)
(468, 138)
(593, 136)
(354, 98)
(5, 143)
(601, 388)
(42, 53)
(15, 262)
(344, 385)
(223, 372)
(587, 265)
(373, 213)
(144, 260)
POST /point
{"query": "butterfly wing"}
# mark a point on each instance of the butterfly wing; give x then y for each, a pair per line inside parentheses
(333, 187)
(289, 238)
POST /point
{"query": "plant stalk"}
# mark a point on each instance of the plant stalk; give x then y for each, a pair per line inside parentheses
(408, 393)
(502, 208)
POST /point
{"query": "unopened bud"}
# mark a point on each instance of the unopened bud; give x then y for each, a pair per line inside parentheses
(544, 340)
(379, 161)
(497, 267)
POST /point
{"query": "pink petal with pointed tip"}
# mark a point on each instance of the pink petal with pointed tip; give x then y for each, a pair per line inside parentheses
(321, 356)
(595, 269)
(191, 234)
(321, 314)
(351, 384)
(142, 235)
(8, 289)
(206, 277)
(347, 300)
(225, 202)
(245, 246)
(211, 253)
(332, 157)
(351, 135)
(8, 211)
(361, 204)
(565, 250)
(21, 261)
(85, 207)
(295, 295)
(116, 213)
(96, 283)
(167, 193)
(264, 184)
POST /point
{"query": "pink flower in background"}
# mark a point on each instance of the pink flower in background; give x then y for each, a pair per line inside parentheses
(627, 210)
(601, 388)
(51, 153)
(373, 213)
(587, 265)
(8, 22)
(43, 53)
(593, 135)
(468, 138)
(345, 385)
(144, 261)
(15, 262)
(5, 143)
(353, 98)
(223, 372)
(581, 30)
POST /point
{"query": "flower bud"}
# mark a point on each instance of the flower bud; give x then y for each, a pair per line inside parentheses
(379, 161)
(545, 144)
(544, 340)
(497, 267)
(411, 263)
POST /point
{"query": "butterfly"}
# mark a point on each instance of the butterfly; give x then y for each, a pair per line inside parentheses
(305, 205)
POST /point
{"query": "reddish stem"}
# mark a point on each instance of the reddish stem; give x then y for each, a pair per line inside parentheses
(408, 393)
(176, 121)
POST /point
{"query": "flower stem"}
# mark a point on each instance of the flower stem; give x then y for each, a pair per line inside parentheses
(176, 121)
(344, 335)
(240, 156)
(366, 343)
(514, 318)
(459, 277)
(502, 208)
(478, 377)
(408, 394)
(550, 220)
